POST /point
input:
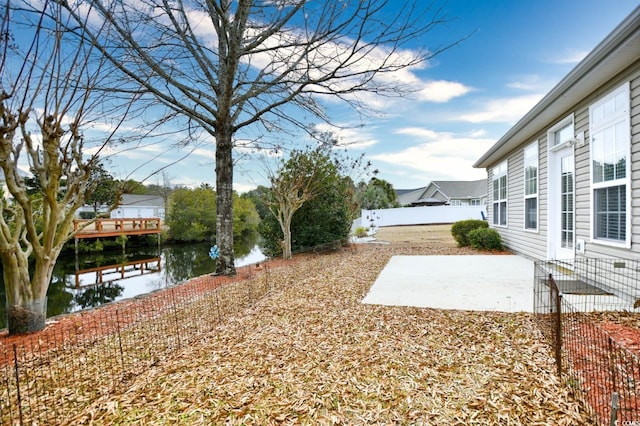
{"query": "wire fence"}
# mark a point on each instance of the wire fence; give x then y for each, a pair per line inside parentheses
(46, 376)
(599, 369)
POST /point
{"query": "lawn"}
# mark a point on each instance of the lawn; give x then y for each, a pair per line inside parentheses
(311, 353)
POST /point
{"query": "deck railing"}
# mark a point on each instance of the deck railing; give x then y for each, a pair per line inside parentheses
(95, 228)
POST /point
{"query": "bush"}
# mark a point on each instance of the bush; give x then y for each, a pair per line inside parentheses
(484, 239)
(361, 232)
(460, 230)
(87, 215)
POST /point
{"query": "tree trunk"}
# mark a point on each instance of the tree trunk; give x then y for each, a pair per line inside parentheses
(26, 299)
(224, 201)
(286, 245)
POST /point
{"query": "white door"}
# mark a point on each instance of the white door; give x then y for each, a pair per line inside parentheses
(561, 244)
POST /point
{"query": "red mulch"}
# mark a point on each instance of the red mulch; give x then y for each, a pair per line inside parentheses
(625, 335)
(99, 322)
(605, 365)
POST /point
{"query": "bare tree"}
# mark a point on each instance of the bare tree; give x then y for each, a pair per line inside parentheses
(46, 100)
(229, 65)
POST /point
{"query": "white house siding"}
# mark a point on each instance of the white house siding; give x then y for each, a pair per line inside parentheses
(613, 64)
(528, 243)
(582, 176)
(635, 167)
(535, 244)
(593, 249)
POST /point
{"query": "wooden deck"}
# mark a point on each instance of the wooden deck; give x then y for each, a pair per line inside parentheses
(115, 227)
(111, 273)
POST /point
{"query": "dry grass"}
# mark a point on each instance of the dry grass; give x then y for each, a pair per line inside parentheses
(417, 234)
(311, 353)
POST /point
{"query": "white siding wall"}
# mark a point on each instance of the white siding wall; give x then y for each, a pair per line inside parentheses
(514, 236)
(593, 249)
(583, 176)
(534, 245)
(635, 167)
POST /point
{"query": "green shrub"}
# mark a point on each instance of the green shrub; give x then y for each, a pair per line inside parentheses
(361, 232)
(98, 246)
(460, 230)
(122, 240)
(484, 239)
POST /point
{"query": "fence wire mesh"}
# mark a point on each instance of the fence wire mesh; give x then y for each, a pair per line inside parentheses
(572, 303)
(91, 353)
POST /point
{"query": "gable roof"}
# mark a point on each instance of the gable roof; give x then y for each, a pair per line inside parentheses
(461, 189)
(400, 192)
(408, 197)
(615, 53)
(141, 200)
(457, 189)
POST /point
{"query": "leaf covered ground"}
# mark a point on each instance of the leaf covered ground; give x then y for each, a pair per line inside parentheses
(311, 353)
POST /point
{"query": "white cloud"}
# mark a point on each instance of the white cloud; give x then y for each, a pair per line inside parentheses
(442, 91)
(418, 132)
(207, 153)
(504, 110)
(527, 83)
(350, 137)
(441, 155)
(533, 83)
(569, 56)
(242, 187)
(478, 133)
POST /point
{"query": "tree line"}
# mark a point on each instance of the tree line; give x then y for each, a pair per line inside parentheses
(83, 79)
(312, 201)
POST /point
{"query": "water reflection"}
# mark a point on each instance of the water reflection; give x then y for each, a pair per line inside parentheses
(89, 281)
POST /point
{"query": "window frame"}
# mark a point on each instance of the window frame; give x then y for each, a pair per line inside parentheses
(499, 174)
(610, 121)
(531, 157)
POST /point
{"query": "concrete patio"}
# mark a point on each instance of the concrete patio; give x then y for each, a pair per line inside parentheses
(474, 283)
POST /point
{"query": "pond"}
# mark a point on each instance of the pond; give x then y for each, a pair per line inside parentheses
(87, 281)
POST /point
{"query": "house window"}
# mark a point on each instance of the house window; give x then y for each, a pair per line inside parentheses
(610, 130)
(455, 203)
(563, 135)
(475, 202)
(531, 187)
(500, 194)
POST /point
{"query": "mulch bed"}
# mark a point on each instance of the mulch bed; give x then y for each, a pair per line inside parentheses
(98, 322)
(315, 354)
(624, 328)
(602, 350)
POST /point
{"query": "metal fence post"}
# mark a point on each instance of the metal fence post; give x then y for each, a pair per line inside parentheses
(120, 341)
(612, 364)
(558, 323)
(614, 409)
(174, 305)
(15, 360)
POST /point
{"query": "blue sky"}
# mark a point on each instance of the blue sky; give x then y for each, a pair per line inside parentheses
(472, 94)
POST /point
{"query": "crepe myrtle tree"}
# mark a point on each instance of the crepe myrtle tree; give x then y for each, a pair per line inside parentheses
(240, 68)
(299, 179)
(46, 99)
(306, 174)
